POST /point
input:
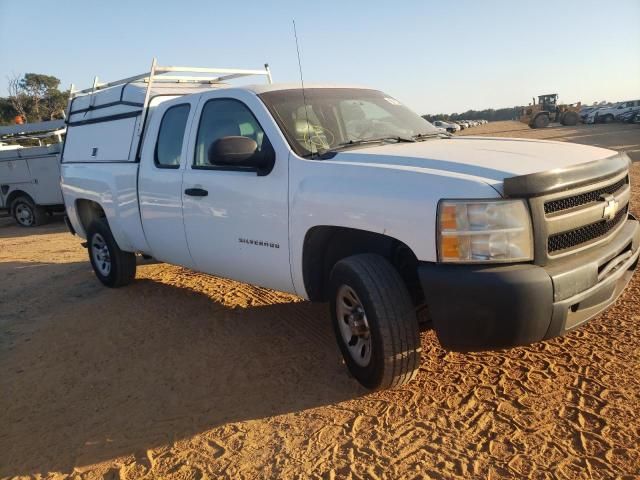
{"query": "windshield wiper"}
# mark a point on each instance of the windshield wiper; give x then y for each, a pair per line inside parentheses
(321, 154)
(424, 136)
(365, 141)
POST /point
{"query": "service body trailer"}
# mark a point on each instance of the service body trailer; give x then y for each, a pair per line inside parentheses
(30, 176)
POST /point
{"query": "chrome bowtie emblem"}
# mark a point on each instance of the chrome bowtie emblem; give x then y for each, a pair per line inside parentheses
(610, 206)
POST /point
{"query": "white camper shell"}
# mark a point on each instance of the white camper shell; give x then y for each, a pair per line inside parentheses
(30, 176)
(106, 122)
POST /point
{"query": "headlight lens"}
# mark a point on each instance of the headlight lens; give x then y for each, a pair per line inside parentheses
(479, 231)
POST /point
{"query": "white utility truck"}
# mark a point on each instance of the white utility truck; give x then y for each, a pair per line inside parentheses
(342, 194)
(30, 175)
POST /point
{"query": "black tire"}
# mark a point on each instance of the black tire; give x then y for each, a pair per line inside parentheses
(26, 213)
(607, 118)
(570, 119)
(541, 121)
(394, 343)
(121, 265)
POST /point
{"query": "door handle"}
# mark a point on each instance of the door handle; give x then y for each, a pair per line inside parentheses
(196, 192)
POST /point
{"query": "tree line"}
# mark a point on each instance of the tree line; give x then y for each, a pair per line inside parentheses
(33, 97)
(490, 114)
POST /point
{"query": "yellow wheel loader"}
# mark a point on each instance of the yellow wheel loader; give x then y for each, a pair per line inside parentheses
(538, 115)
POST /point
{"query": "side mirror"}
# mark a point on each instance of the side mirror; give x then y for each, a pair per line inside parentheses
(233, 151)
(237, 151)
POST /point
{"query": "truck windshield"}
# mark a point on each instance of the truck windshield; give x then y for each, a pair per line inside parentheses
(338, 118)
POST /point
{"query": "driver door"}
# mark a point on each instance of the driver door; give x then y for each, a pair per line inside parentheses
(236, 218)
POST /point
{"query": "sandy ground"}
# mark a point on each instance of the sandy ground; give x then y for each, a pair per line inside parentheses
(616, 136)
(187, 376)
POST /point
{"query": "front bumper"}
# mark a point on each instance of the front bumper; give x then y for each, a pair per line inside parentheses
(477, 307)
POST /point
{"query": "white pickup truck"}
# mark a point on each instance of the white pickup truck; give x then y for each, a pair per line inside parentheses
(342, 194)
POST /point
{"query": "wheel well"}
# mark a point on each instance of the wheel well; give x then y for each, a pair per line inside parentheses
(324, 246)
(15, 194)
(88, 211)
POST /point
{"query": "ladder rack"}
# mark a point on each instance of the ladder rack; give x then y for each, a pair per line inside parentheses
(156, 75)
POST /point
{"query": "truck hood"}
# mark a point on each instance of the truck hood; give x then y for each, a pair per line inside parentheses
(483, 158)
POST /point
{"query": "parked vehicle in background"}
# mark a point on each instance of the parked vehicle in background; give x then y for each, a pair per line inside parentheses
(628, 116)
(585, 111)
(344, 195)
(627, 111)
(30, 175)
(611, 113)
(449, 127)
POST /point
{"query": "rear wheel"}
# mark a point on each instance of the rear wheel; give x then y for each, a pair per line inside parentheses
(26, 213)
(541, 121)
(607, 118)
(570, 119)
(374, 321)
(112, 266)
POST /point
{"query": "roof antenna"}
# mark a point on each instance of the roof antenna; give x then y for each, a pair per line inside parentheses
(304, 98)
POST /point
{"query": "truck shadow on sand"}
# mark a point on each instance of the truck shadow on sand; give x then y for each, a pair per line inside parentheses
(90, 373)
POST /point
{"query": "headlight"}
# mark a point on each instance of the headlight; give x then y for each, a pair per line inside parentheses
(480, 231)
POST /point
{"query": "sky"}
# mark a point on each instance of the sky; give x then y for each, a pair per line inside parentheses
(434, 56)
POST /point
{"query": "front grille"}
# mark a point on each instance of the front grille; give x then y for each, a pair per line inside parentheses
(582, 199)
(573, 238)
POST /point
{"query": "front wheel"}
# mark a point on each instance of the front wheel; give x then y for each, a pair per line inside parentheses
(374, 321)
(112, 266)
(541, 121)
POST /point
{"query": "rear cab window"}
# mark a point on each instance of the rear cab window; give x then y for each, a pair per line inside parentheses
(171, 136)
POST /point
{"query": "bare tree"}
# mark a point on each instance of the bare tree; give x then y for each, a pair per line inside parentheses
(17, 95)
(36, 97)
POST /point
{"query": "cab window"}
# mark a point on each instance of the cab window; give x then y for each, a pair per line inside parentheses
(170, 136)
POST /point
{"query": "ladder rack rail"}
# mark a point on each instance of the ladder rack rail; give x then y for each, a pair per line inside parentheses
(217, 75)
(156, 76)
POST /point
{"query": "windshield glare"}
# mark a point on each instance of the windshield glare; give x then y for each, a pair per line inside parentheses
(341, 117)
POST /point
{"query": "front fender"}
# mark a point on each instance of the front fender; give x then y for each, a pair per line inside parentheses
(398, 203)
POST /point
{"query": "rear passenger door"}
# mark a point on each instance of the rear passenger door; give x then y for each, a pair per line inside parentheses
(160, 181)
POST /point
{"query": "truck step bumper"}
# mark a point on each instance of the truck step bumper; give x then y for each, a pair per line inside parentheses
(476, 307)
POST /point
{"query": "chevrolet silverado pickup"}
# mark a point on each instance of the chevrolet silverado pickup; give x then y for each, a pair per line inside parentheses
(343, 195)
